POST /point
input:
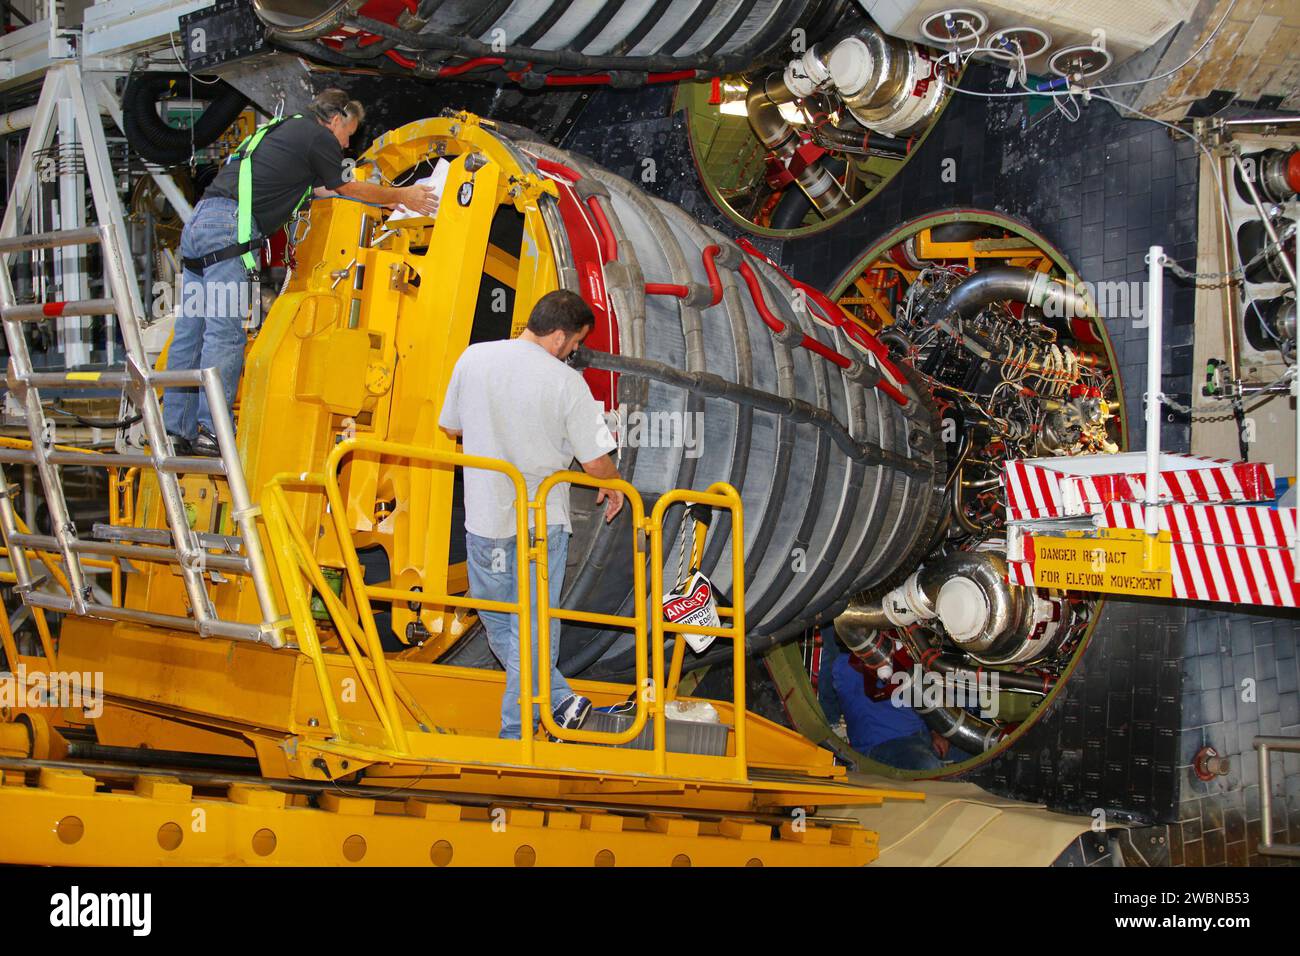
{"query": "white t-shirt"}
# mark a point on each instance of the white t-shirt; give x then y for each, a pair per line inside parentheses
(517, 402)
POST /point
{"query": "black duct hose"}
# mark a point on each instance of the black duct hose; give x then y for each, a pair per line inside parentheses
(159, 143)
(862, 141)
(795, 204)
(714, 386)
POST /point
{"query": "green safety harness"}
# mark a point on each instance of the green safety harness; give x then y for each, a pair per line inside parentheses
(244, 244)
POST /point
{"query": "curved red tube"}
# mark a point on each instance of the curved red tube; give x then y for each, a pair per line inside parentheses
(608, 243)
(709, 255)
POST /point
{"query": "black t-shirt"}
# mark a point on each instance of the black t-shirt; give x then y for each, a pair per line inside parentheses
(292, 156)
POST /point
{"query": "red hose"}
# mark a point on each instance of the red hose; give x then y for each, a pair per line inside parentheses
(711, 267)
(807, 342)
(604, 79)
(607, 240)
(557, 169)
(468, 65)
(831, 310)
(825, 351)
(400, 60)
(756, 293)
(666, 288)
(591, 79)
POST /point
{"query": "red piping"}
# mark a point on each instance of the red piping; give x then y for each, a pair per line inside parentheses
(468, 65)
(709, 254)
(666, 288)
(831, 309)
(756, 293)
(607, 240)
(400, 60)
(807, 342)
(825, 351)
(556, 169)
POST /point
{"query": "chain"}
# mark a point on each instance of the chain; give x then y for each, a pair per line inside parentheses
(1206, 280)
(681, 556)
(1217, 280)
(1200, 409)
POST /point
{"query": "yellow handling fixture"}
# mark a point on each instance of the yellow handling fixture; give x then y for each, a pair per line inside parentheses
(356, 748)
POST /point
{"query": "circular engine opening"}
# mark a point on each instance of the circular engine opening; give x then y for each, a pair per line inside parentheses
(995, 321)
(791, 152)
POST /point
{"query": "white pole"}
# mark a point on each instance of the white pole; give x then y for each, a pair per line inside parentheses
(1155, 311)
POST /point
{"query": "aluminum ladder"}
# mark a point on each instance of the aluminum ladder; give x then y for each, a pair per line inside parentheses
(139, 383)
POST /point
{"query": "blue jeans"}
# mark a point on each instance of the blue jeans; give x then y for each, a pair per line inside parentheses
(210, 328)
(913, 752)
(491, 564)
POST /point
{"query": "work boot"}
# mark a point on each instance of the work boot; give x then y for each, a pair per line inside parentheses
(572, 712)
(205, 446)
(180, 444)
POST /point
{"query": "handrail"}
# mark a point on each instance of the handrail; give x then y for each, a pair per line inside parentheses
(1266, 745)
(719, 495)
(637, 622)
(295, 559)
(362, 591)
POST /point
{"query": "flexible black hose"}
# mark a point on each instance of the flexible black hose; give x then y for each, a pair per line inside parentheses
(714, 386)
(795, 204)
(165, 145)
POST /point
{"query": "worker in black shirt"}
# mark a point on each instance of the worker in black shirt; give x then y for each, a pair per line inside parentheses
(269, 176)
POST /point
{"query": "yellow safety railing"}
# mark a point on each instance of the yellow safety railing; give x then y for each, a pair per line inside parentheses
(651, 698)
(295, 562)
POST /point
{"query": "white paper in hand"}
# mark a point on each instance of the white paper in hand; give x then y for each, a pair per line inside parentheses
(436, 180)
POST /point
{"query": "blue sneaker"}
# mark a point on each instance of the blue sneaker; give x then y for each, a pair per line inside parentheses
(572, 712)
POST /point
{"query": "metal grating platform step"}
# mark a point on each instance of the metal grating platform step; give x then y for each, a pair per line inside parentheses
(684, 736)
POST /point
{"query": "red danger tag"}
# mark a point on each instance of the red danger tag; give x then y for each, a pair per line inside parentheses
(695, 604)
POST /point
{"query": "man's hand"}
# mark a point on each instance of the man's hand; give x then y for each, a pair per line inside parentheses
(940, 743)
(603, 467)
(613, 499)
(420, 199)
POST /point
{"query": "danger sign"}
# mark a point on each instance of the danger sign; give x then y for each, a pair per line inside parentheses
(695, 605)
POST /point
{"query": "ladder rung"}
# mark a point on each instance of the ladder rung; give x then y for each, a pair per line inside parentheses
(44, 311)
(214, 628)
(117, 532)
(230, 563)
(185, 378)
(49, 240)
(192, 465)
(179, 466)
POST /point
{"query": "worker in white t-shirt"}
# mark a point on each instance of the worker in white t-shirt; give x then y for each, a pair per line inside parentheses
(517, 400)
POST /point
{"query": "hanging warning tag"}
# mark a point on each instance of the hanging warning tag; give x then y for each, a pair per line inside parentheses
(693, 604)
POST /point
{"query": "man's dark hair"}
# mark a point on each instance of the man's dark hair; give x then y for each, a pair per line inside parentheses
(560, 309)
(333, 102)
